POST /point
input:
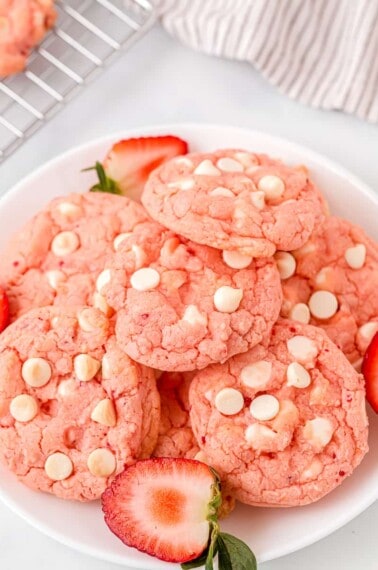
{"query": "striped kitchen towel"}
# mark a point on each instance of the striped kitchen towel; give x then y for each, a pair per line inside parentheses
(323, 53)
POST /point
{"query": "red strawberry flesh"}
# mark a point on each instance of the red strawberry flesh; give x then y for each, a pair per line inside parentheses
(4, 310)
(130, 161)
(370, 372)
(160, 506)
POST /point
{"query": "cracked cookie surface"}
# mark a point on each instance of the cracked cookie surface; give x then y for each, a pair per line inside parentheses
(283, 424)
(180, 307)
(58, 255)
(235, 200)
(333, 285)
(74, 408)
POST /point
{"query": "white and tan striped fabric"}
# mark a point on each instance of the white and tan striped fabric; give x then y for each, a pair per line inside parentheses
(323, 53)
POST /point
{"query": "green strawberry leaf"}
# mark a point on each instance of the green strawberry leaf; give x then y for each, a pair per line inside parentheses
(105, 184)
(239, 555)
(224, 560)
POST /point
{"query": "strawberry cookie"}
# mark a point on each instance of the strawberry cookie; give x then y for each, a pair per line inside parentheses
(74, 409)
(58, 255)
(235, 200)
(23, 24)
(176, 438)
(332, 282)
(283, 424)
(181, 306)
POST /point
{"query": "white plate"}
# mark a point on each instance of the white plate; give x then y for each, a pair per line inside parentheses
(270, 532)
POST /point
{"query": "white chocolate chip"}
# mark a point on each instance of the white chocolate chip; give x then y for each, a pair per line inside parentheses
(229, 165)
(184, 161)
(86, 367)
(366, 333)
(227, 299)
(245, 158)
(88, 320)
(258, 199)
(356, 256)
(222, 191)
(103, 279)
(55, 277)
(58, 466)
(313, 470)
(264, 407)
(64, 243)
(36, 372)
(302, 349)
(301, 313)
(324, 279)
(23, 408)
(193, 316)
(185, 184)
(101, 462)
(286, 264)
(307, 249)
(229, 401)
(236, 260)
(119, 239)
(272, 186)
(259, 436)
(55, 322)
(105, 368)
(69, 210)
(145, 279)
(67, 387)
(318, 432)
(99, 302)
(104, 413)
(320, 392)
(239, 214)
(140, 256)
(323, 304)
(207, 168)
(256, 375)
(201, 456)
(297, 375)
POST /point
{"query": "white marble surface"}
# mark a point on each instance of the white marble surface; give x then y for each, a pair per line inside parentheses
(160, 81)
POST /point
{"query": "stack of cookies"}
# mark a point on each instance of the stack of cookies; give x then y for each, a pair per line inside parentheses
(224, 320)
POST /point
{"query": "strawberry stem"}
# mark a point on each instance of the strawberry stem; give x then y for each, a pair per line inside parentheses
(233, 554)
(105, 184)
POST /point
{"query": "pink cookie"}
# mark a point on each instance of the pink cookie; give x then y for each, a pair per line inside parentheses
(57, 256)
(74, 409)
(332, 282)
(235, 200)
(180, 307)
(283, 424)
(176, 438)
(23, 24)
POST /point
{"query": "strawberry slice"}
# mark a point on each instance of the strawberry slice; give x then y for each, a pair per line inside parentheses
(4, 310)
(370, 372)
(168, 508)
(129, 163)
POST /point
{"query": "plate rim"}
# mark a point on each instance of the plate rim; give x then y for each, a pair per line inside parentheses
(152, 130)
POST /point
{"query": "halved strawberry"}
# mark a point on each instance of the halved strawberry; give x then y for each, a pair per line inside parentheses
(168, 508)
(4, 310)
(370, 372)
(129, 163)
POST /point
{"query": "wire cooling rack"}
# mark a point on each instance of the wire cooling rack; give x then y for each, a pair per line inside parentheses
(87, 36)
